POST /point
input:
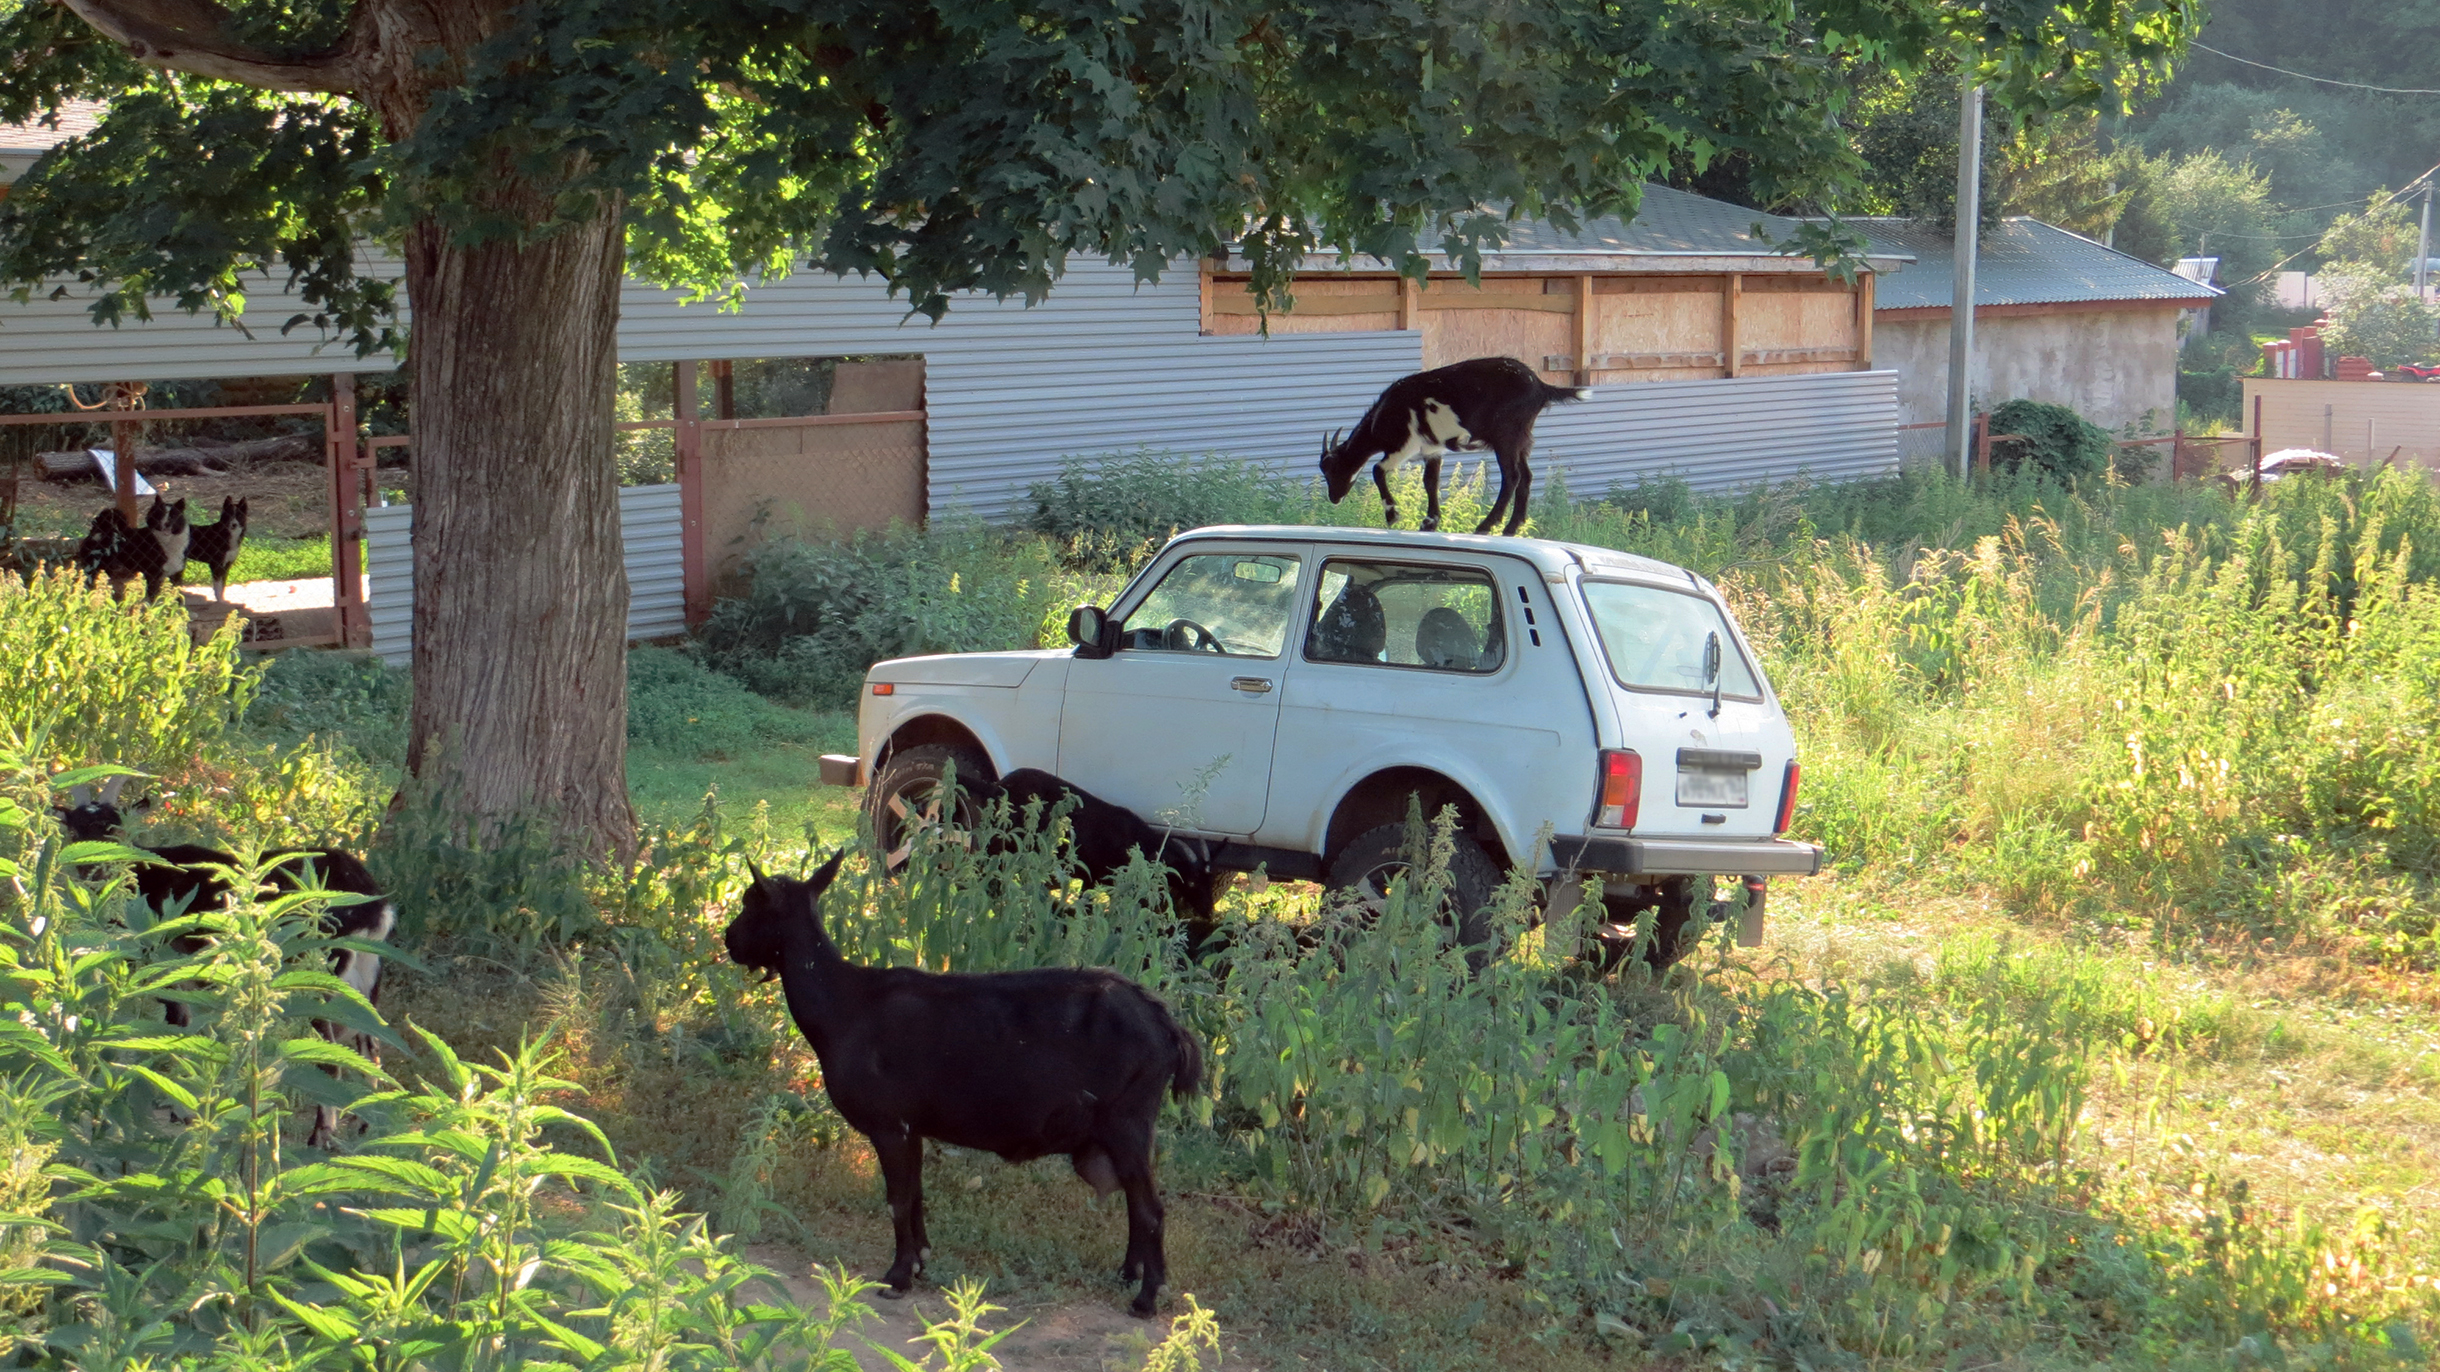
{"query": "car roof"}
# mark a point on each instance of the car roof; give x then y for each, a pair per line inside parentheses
(1551, 557)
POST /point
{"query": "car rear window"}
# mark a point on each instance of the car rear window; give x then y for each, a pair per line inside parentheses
(1655, 639)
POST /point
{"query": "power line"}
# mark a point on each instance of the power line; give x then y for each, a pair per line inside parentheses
(2301, 76)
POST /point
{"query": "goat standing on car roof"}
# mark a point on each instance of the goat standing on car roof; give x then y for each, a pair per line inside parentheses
(188, 877)
(1484, 402)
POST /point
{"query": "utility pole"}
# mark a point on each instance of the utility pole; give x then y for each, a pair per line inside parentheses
(2423, 243)
(1961, 300)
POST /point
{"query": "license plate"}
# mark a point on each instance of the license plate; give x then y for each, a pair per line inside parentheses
(1707, 787)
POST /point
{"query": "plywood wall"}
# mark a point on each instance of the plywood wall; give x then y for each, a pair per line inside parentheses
(1589, 328)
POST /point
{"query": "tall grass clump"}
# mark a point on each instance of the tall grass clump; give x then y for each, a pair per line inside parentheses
(107, 681)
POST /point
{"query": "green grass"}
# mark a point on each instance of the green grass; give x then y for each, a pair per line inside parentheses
(2105, 1043)
(264, 558)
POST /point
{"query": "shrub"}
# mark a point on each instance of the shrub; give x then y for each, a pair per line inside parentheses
(2376, 316)
(2052, 439)
(95, 680)
(814, 615)
(1104, 510)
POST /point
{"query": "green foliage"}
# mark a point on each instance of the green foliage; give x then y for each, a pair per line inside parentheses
(977, 154)
(96, 680)
(2376, 316)
(814, 615)
(1110, 510)
(2052, 439)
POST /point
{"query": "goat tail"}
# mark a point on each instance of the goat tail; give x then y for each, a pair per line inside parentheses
(1187, 1077)
(1552, 393)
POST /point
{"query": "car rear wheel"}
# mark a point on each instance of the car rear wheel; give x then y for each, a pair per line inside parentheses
(912, 796)
(1364, 869)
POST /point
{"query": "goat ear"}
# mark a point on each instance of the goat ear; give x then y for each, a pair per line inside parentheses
(823, 875)
(112, 787)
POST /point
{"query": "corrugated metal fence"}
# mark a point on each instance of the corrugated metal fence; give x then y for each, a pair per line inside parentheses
(656, 580)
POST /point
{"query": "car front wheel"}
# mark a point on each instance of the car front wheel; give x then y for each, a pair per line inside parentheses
(912, 796)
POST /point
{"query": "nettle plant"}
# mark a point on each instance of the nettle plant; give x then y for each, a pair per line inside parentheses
(157, 1206)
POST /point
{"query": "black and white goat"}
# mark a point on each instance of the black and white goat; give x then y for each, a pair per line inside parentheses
(214, 547)
(187, 877)
(1104, 836)
(1483, 402)
(155, 551)
(1023, 1064)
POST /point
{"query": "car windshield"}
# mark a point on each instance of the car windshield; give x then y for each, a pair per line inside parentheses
(1657, 639)
(1232, 604)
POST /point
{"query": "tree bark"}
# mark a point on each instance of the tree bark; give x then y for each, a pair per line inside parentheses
(520, 580)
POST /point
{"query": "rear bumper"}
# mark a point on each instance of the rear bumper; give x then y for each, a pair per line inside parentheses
(1770, 857)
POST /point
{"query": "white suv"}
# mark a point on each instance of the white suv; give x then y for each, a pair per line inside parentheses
(1289, 689)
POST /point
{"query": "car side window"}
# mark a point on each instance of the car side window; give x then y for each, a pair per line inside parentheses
(1393, 614)
(1229, 604)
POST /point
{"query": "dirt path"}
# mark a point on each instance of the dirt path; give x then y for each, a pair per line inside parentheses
(1081, 1336)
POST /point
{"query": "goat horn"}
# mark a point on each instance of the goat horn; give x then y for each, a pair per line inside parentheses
(755, 871)
(79, 797)
(112, 787)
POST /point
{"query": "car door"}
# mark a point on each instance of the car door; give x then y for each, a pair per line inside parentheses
(1415, 659)
(1178, 723)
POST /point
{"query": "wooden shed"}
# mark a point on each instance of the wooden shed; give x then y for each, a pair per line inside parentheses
(1686, 292)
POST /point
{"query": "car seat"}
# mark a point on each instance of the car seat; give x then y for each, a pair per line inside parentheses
(1444, 639)
(1352, 629)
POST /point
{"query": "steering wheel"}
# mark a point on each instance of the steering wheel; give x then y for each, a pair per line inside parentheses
(1186, 636)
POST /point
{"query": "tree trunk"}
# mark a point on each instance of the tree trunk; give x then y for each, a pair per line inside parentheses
(520, 579)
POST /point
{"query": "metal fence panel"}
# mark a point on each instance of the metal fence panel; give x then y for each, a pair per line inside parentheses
(649, 523)
(1724, 434)
(1101, 366)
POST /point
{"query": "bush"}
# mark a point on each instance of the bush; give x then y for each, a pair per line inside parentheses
(2374, 315)
(815, 615)
(1105, 510)
(2052, 439)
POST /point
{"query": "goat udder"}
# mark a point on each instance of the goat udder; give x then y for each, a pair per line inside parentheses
(1094, 1166)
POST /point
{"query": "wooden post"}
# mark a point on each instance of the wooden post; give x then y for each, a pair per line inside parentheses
(1584, 330)
(1410, 303)
(341, 455)
(1982, 445)
(1729, 347)
(724, 389)
(2255, 488)
(1863, 320)
(123, 436)
(2177, 453)
(694, 566)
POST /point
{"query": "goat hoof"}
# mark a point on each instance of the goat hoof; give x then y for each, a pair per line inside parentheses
(1142, 1307)
(895, 1293)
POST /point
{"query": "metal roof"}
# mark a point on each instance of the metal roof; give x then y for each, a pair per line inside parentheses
(1668, 224)
(2021, 262)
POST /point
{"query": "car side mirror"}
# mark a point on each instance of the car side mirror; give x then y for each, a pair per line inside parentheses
(1089, 629)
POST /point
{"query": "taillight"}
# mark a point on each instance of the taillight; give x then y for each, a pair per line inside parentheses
(1622, 788)
(1787, 798)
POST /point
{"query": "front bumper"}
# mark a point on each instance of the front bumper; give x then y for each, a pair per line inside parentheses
(1673, 857)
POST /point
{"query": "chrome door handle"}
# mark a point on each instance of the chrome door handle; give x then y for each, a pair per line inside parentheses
(1251, 685)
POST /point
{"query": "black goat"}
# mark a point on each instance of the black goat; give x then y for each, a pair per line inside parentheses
(215, 546)
(186, 878)
(1483, 402)
(1022, 1064)
(1105, 835)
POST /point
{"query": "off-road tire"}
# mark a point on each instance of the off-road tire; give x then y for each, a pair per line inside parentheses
(1372, 859)
(907, 786)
